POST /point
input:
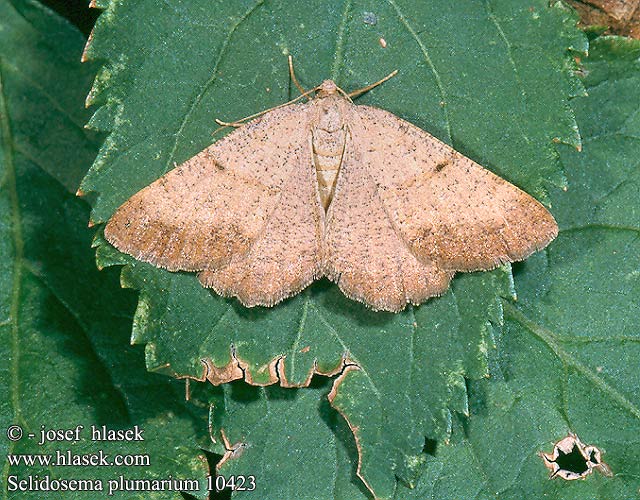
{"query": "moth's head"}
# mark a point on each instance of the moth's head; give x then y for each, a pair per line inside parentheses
(327, 88)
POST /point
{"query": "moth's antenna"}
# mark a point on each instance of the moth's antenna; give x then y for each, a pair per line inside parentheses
(373, 85)
(348, 96)
(237, 123)
(293, 76)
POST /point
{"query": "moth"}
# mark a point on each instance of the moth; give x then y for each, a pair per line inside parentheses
(328, 188)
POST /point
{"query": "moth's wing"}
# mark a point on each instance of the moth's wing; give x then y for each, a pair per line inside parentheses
(218, 204)
(447, 208)
(285, 257)
(363, 251)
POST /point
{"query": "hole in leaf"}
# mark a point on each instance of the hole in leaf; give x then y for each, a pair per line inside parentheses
(572, 461)
(430, 446)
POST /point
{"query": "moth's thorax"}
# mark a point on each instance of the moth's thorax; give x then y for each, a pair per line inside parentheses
(327, 88)
(328, 132)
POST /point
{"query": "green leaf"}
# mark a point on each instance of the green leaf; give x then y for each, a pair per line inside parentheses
(493, 79)
(568, 356)
(63, 325)
(566, 360)
(281, 427)
(395, 398)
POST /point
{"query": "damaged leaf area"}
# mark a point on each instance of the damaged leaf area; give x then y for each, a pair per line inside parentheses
(394, 386)
(389, 415)
(160, 109)
(289, 439)
(572, 459)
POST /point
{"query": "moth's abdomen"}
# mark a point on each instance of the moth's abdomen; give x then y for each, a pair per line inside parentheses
(328, 149)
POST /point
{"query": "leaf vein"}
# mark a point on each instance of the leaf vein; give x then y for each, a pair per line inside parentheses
(610, 227)
(209, 82)
(346, 350)
(550, 339)
(507, 43)
(429, 62)
(339, 57)
(82, 324)
(301, 326)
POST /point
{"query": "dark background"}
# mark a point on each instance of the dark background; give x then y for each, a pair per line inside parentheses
(76, 11)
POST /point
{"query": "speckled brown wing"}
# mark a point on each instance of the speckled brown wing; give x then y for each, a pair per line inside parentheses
(285, 257)
(446, 208)
(228, 201)
(363, 251)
